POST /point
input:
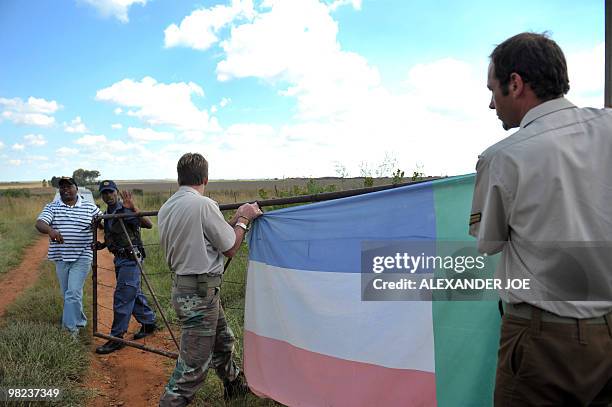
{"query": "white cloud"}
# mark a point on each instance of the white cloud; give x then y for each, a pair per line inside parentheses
(75, 126)
(118, 110)
(66, 152)
(295, 44)
(114, 8)
(146, 135)
(36, 158)
(339, 3)
(16, 163)
(224, 102)
(91, 140)
(34, 112)
(37, 140)
(1, 145)
(159, 103)
(100, 143)
(116, 126)
(18, 147)
(199, 29)
(587, 75)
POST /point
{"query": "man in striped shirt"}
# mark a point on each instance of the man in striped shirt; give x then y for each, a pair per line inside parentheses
(67, 221)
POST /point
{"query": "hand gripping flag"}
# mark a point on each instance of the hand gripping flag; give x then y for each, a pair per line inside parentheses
(310, 340)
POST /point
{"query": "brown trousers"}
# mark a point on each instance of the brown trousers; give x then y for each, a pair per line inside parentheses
(553, 364)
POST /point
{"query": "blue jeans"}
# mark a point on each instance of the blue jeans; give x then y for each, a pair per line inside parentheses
(129, 299)
(71, 276)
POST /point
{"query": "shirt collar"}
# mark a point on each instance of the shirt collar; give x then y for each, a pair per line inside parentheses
(118, 207)
(185, 188)
(76, 204)
(545, 108)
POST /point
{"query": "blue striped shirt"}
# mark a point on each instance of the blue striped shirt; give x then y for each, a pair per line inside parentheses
(73, 223)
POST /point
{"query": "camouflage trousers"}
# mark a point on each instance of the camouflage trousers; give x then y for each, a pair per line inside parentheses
(206, 340)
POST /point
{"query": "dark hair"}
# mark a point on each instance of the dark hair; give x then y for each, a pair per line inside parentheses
(192, 169)
(537, 59)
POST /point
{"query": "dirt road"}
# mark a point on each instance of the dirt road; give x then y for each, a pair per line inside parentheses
(128, 377)
(23, 276)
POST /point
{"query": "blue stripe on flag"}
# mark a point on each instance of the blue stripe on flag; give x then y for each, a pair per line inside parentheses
(327, 236)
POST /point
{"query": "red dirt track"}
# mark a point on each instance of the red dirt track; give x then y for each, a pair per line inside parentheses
(23, 276)
(128, 377)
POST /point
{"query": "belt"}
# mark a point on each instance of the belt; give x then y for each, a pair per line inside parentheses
(126, 253)
(525, 311)
(193, 280)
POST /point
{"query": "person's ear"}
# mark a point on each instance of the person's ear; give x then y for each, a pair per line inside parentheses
(516, 85)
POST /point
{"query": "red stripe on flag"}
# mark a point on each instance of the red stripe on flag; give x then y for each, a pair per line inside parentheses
(298, 377)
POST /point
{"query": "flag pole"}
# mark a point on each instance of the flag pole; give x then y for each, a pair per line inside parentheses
(608, 47)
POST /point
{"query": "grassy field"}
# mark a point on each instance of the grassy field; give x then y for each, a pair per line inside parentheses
(17, 217)
(35, 351)
(27, 334)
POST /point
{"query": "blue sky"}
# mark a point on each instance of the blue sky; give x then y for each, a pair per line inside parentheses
(277, 88)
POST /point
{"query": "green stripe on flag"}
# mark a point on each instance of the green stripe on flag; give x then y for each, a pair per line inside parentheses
(466, 333)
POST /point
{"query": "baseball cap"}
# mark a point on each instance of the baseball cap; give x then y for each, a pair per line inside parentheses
(107, 185)
(69, 180)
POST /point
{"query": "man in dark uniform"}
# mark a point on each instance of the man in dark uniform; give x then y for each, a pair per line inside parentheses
(128, 299)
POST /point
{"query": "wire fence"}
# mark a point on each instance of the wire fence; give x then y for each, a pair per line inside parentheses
(147, 278)
(155, 276)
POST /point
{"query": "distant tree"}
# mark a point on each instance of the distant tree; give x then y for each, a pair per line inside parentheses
(55, 181)
(44, 183)
(386, 166)
(398, 176)
(366, 173)
(85, 177)
(419, 173)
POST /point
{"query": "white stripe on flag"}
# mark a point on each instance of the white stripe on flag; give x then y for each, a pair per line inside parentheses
(322, 312)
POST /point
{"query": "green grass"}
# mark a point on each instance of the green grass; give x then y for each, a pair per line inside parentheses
(35, 351)
(17, 217)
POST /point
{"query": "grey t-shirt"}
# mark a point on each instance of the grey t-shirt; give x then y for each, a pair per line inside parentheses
(543, 197)
(193, 233)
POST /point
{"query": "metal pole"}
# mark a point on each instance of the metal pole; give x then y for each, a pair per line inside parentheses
(608, 46)
(136, 345)
(94, 277)
(326, 196)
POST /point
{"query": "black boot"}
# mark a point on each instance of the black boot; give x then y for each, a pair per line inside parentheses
(145, 330)
(109, 347)
(236, 388)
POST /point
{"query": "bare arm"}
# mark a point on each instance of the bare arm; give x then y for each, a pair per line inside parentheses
(245, 214)
(54, 235)
(240, 233)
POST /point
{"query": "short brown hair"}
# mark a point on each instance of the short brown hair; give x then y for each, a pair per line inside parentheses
(539, 61)
(192, 169)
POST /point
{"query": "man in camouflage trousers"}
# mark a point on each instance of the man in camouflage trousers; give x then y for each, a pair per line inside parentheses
(195, 238)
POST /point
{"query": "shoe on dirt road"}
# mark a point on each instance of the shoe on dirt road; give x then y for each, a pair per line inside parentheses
(145, 330)
(109, 347)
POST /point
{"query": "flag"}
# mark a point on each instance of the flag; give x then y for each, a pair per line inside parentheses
(310, 339)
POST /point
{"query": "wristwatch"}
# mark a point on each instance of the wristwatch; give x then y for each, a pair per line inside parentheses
(242, 226)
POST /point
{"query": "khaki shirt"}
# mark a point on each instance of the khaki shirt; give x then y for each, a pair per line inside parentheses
(543, 197)
(193, 233)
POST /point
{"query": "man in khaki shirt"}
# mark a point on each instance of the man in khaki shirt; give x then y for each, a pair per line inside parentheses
(543, 198)
(195, 238)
